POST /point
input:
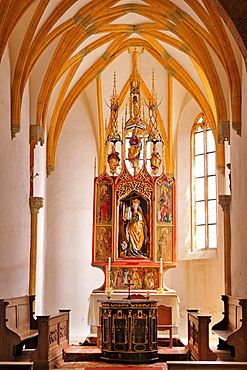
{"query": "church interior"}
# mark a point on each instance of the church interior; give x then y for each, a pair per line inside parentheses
(122, 156)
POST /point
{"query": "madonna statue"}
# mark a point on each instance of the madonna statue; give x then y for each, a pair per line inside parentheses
(135, 231)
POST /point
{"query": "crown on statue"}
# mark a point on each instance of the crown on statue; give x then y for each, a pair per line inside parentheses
(136, 201)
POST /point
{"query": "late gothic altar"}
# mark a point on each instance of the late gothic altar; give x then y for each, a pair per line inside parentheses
(129, 330)
(134, 220)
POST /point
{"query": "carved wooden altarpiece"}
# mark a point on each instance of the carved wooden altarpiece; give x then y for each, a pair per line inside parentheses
(114, 198)
(134, 225)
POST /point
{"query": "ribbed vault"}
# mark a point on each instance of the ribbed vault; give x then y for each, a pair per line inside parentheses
(188, 39)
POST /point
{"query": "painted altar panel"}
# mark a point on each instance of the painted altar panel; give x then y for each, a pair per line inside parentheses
(140, 278)
(165, 219)
(104, 202)
(103, 243)
(103, 219)
(164, 243)
(164, 201)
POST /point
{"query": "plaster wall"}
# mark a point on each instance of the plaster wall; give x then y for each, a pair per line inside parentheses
(14, 194)
(239, 202)
(39, 190)
(69, 276)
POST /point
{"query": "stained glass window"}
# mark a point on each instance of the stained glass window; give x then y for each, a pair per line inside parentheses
(204, 206)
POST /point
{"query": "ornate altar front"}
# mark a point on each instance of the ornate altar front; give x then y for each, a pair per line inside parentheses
(134, 232)
(129, 330)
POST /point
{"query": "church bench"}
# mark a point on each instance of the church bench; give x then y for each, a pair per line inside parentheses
(17, 326)
(198, 337)
(53, 337)
(205, 365)
(16, 365)
(164, 322)
(232, 329)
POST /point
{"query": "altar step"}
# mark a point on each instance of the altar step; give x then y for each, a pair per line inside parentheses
(74, 353)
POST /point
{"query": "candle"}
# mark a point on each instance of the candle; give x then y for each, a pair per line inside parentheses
(109, 263)
(161, 265)
(148, 294)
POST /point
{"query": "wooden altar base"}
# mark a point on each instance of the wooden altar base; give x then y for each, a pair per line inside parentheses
(74, 353)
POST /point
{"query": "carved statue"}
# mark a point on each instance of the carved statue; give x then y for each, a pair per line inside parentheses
(155, 160)
(135, 231)
(113, 160)
(135, 146)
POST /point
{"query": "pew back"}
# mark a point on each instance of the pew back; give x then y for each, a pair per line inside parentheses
(53, 337)
(232, 329)
(234, 313)
(19, 315)
(17, 326)
(198, 336)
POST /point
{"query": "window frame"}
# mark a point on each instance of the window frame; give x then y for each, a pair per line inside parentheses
(201, 123)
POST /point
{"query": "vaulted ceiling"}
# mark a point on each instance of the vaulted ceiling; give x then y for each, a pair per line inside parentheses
(62, 49)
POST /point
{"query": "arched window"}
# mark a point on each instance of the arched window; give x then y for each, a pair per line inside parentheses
(204, 231)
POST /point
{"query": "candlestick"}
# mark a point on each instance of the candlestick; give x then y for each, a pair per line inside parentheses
(109, 263)
(161, 265)
(109, 294)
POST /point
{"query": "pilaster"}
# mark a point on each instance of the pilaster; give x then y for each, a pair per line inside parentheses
(225, 201)
(35, 204)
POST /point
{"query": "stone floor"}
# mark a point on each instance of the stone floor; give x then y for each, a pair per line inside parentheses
(91, 365)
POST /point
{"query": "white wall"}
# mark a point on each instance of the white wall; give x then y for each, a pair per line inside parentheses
(39, 190)
(14, 194)
(69, 276)
(239, 201)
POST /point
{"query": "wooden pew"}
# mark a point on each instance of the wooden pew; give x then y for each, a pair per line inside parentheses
(165, 322)
(232, 329)
(198, 337)
(53, 337)
(205, 365)
(16, 365)
(17, 326)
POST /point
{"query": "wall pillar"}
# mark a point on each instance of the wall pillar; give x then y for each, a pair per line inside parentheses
(225, 201)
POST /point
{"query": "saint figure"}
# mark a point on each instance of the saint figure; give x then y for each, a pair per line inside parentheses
(164, 207)
(136, 231)
(135, 146)
(113, 160)
(105, 205)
